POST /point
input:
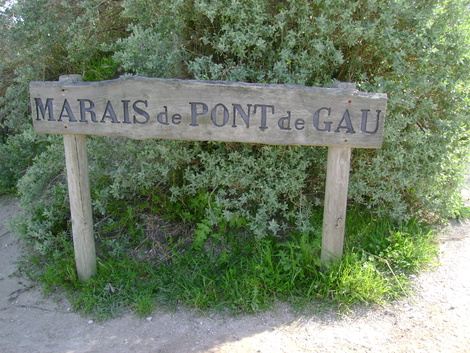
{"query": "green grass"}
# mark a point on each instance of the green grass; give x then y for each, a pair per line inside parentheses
(237, 274)
(463, 213)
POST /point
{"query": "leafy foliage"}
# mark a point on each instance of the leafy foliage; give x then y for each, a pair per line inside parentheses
(259, 187)
(45, 39)
(415, 51)
(16, 156)
(222, 195)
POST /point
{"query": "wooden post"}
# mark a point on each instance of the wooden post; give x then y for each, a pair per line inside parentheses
(80, 199)
(336, 197)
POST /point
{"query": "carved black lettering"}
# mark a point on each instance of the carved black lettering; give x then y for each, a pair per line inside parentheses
(246, 117)
(125, 110)
(284, 123)
(67, 112)
(195, 113)
(299, 124)
(316, 120)
(109, 114)
(143, 113)
(364, 121)
(41, 109)
(162, 117)
(225, 114)
(87, 109)
(176, 119)
(347, 123)
(264, 109)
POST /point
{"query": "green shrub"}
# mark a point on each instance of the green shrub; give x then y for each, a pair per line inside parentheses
(16, 155)
(40, 41)
(44, 199)
(415, 51)
(257, 187)
(265, 197)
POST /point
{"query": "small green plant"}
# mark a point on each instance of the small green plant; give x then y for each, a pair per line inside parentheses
(16, 156)
(103, 69)
(144, 304)
(463, 213)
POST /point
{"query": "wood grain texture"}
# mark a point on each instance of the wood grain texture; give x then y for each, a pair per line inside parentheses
(143, 108)
(336, 197)
(80, 205)
(76, 161)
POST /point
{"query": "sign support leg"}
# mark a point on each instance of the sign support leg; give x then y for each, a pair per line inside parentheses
(80, 205)
(336, 197)
(76, 161)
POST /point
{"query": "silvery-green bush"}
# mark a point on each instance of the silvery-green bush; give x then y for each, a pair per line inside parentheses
(415, 51)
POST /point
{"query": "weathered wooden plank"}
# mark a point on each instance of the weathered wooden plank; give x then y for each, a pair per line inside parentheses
(336, 196)
(143, 108)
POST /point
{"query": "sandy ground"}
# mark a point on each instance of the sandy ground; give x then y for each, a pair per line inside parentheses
(435, 319)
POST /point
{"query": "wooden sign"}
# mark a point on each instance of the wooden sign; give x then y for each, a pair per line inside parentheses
(143, 108)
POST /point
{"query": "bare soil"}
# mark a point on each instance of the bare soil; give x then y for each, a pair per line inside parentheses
(436, 318)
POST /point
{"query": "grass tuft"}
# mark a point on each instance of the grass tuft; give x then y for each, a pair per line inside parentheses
(236, 274)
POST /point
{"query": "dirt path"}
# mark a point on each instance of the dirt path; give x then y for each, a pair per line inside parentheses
(435, 319)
